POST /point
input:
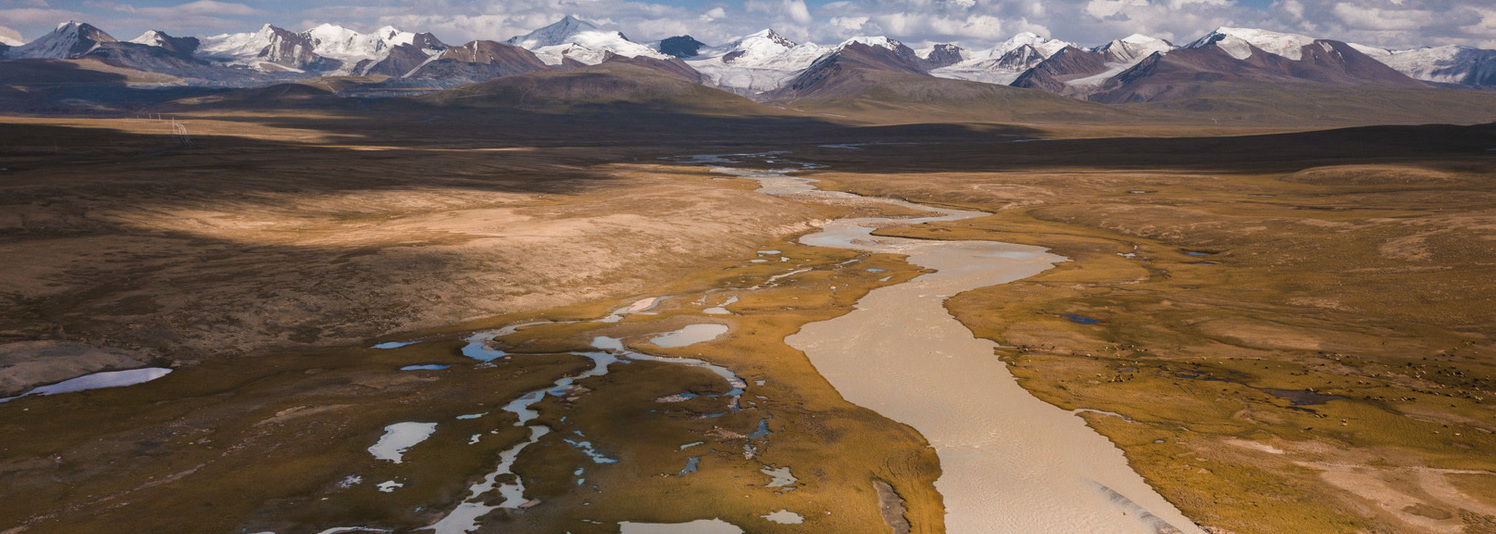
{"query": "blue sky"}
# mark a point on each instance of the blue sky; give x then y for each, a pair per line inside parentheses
(972, 23)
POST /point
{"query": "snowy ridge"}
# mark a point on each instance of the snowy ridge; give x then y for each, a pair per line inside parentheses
(346, 45)
(1238, 42)
(756, 63)
(351, 47)
(241, 48)
(1005, 62)
(558, 33)
(1441, 64)
(1134, 48)
(1120, 55)
(273, 45)
(581, 41)
(765, 61)
(1045, 47)
(875, 42)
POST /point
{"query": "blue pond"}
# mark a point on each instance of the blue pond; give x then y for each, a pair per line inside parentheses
(394, 344)
(1080, 320)
(423, 367)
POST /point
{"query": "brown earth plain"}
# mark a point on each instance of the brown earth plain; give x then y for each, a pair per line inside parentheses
(1287, 327)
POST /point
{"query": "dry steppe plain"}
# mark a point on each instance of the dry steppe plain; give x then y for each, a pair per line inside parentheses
(1292, 328)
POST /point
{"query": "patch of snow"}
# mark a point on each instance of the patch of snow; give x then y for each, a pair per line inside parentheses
(1095, 80)
(1374, 52)
(995, 77)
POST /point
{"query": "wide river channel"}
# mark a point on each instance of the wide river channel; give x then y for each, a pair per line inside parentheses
(1010, 462)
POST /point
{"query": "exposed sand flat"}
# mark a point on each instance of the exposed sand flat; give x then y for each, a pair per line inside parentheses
(1010, 462)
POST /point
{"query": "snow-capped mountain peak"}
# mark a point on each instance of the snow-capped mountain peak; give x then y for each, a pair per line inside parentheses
(875, 42)
(71, 39)
(758, 62)
(1134, 48)
(394, 37)
(581, 41)
(349, 46)
(149, 38)
(761, 44)
(269, 48)
(1238, 42)
(1045, 47)
(175, 45)
(1003, 63)
(774, 37)
(558, 33)
(237, 46)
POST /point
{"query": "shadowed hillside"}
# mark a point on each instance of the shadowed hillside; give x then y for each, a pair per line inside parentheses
(611, 84)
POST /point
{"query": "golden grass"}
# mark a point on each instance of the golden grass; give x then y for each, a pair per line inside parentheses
(1365, 282)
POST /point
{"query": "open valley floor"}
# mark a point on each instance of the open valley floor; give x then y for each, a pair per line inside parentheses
(496, 320)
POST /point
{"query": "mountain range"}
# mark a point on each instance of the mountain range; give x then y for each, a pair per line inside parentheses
(766, 66)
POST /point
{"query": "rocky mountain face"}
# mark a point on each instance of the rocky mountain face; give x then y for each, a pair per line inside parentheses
(1054, 73)
(477, 61)
(943, 55)
(827, 77)
(681, 46)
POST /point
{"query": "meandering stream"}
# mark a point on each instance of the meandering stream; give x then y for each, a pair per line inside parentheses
(1010, 462)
